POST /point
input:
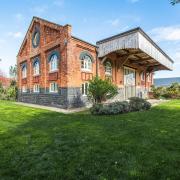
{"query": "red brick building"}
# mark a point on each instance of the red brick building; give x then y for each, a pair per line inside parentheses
(4, 81)
(54, 67)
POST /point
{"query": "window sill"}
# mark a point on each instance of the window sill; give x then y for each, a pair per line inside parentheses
(54, 71)
(86, 70)
(36, 75)
(53, 92)
(107, 74)
(84, 95)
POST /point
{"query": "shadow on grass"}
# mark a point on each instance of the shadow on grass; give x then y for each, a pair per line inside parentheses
(48, 145)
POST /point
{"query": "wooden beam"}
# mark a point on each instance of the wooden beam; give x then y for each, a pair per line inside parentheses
(123, 60)
(127, 51)
(103, 60)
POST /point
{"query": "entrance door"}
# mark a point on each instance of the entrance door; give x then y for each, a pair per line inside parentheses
(129, 82)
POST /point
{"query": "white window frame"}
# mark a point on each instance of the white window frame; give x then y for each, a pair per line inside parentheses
(36, 69)
(53, 63)
(142, 76)
(36, 88)
(24, 89)
(24, 72)
(149, 77)
(53, 87)
(86, 64)
(108, 68)
(84, 88)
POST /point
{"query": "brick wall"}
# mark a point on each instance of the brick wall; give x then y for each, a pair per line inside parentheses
(69, 75)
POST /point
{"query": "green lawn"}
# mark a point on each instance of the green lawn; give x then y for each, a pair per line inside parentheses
(39, 144)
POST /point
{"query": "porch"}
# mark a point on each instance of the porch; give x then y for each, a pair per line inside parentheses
(134, 58)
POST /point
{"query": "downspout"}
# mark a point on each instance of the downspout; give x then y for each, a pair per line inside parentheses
(97, 62)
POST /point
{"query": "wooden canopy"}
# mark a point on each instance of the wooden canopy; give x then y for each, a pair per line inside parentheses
(139, 49)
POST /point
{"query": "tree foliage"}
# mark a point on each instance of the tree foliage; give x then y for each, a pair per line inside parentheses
(13, 72)
(172, 91)
(173, 2)
(100, 90)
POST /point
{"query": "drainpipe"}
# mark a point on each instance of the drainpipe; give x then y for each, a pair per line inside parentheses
(96, 61)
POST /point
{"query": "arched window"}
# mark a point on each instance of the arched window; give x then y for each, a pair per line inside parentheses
(108, 68)
(36, 67)
(24, 71)
(86, 61)
(53, 62)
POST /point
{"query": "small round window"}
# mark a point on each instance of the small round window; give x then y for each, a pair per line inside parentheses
(36, 38)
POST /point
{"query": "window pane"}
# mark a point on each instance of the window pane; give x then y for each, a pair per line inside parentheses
(82, 88)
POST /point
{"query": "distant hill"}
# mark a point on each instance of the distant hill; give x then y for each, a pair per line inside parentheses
(166, 81)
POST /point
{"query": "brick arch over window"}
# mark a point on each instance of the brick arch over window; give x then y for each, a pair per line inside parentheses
(36, 60)
(108, 67)
(84, 54)
(86, 61)
(52, 53)
(36, 66)
(24, 70)
(53, 65)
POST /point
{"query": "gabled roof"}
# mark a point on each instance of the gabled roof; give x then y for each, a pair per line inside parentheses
(48, 22)
(31, 24)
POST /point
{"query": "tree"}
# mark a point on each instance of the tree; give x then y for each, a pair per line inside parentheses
(173, 2)
(100, 90)
(13, 72)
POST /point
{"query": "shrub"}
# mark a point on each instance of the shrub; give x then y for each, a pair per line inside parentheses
(109, 109)
(100, 90)
(173, 91)
(9, 93)
(138, 104)
(158, 91)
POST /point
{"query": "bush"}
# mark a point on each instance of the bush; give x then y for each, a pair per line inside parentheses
(138, 104)
(112, 108)
(135, 104)
(158, 91)
(9, 93)
(100, 90)
(172, 91)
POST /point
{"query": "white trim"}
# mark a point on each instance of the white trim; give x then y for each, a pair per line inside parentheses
(55, 90)
(24, 89)
(36, 88)
(84, 89)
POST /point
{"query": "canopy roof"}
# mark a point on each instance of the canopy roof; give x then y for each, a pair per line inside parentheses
(138, 44)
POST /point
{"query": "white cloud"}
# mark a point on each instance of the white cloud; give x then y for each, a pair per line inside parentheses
(19, 17)
(134, 1)
(168, 33)
(15, 34)
(114, 22)
(2, 41)
(58, 3)
(39, 9)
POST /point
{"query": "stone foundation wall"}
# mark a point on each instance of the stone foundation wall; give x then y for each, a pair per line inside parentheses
(65, 98)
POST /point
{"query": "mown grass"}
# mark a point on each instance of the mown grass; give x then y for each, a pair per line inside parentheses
(39, 144)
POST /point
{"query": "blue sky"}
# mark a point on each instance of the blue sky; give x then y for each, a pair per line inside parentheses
(93, 20)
